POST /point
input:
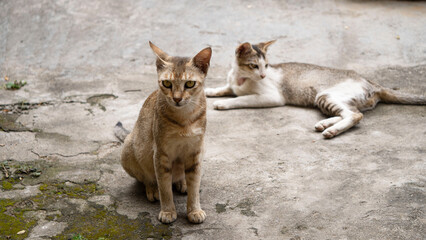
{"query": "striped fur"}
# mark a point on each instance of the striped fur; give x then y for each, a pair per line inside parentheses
(167, 143)
(340, 94)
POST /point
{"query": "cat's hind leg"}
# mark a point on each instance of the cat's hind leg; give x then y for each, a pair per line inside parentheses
(134, 169)
(129, 162)
(350, 119)
(344, 115)
(181, 186)
(151, 191)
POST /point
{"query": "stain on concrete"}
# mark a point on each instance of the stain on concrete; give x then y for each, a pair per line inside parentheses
(255, 231)
(284, 230)
(245, 205)
(8, 123)
(22, 107)
(52, 135)
(221, 208)
(96, 100)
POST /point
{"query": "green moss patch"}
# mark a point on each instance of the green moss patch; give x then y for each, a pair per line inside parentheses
(16, 172)
(7, 184)
(61, 190)
(12, 219)
(53, 204)
(104, 224)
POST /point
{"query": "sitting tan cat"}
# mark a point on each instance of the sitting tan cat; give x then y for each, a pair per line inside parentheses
(340, 94)
(167, 143)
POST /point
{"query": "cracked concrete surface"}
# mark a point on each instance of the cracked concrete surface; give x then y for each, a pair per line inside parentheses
(267, 174)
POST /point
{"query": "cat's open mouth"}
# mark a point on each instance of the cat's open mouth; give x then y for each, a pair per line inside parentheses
(241, 81)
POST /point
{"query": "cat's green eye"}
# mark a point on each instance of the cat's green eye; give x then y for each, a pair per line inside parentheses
(167, 84)
(190, 84)
(253, 66)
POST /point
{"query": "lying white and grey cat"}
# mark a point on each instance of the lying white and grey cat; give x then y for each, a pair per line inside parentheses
(340, 94)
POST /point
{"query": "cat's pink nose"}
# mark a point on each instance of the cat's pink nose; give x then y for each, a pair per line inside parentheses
(177, 100)
(262, 75)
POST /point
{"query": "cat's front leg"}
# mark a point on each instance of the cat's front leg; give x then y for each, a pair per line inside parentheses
(250, 101)
(193, 179)
(219, 92)
(163, 172)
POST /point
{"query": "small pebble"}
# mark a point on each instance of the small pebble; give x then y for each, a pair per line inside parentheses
(21, 232)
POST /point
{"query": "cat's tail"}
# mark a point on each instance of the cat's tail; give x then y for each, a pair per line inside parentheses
(120, 132)
(388, 95)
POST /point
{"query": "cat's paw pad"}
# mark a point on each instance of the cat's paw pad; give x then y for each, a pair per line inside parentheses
(167, 217)
(329, 133)
(220, 105)
(197, 216)
(181, 186)
(152, 194)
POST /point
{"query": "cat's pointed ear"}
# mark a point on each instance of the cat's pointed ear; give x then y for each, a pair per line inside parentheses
(243, 49)
(202, 59)
(264, 45)
(161, 56)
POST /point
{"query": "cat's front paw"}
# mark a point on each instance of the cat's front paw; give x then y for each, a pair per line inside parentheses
(210, 92)
(167, 217)
(220, 105)
(197, 216)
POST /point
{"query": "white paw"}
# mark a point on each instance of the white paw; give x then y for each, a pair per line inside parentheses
(167, 217)
(210, 92)
(319, 127)
(220, 105)
(329, 133)
(197, 216)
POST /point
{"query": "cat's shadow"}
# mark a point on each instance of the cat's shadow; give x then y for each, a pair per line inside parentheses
(137, 189)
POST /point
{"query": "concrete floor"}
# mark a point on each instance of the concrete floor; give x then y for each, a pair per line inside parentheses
(267, 173)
